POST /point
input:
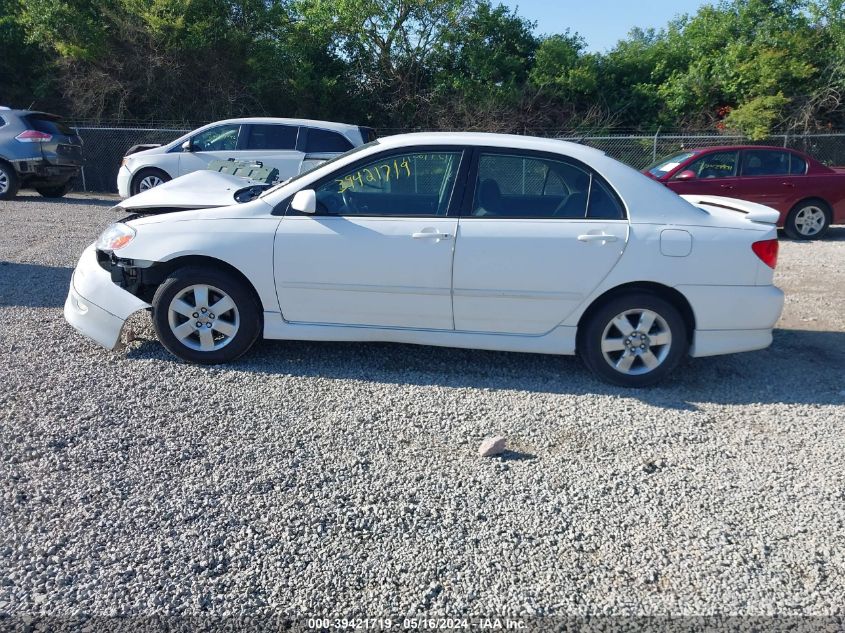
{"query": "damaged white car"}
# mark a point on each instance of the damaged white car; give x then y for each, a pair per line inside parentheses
(465, 240)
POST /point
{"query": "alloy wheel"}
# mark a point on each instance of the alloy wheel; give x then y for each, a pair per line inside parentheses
(4, 181)
(810, 220)
(203, 318)
(148, 182)
(636, 342)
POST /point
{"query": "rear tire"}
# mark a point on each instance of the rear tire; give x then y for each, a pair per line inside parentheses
(808, 220)
(147, 179)
(633, 340)
(9, 181)
(184, 318)
(57, 191)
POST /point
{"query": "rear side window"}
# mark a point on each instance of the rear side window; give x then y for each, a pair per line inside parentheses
(48, 125)
(765, 162)
(326, 141)
(513, 186)
(797, 165)
(272, 137)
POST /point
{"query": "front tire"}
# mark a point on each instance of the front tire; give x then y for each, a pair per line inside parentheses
(634, 340)
(57, 191)
(205, 316)
(9, 182)
(147, 179)
(809, 220)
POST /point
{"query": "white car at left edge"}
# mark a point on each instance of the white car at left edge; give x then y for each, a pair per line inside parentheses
(452, 239)
(288, 146)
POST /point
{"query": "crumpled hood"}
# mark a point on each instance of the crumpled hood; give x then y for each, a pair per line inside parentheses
(202, 189)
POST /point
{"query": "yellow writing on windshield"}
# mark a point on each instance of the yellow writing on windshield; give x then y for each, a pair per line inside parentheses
(375, 176)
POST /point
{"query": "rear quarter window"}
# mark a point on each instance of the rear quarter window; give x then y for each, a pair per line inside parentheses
(48, 125)
(326, 141)
(797, 165)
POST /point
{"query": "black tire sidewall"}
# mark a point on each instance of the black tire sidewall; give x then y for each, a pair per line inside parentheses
(589, 348)
(134, 187)
(793, 232)
(14, 181)
(248, 312)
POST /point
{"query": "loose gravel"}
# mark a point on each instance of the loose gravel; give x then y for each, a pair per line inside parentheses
(344, 479)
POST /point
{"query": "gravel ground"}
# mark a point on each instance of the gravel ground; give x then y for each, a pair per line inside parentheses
(342, 479)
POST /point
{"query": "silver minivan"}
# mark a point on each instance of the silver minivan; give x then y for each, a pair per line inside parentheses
(286, 145)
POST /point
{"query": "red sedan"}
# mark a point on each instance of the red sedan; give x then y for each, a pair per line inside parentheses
(809, 195)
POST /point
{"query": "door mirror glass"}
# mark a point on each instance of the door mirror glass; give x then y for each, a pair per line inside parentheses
(186, 146)
(305, 201)
(687, 174)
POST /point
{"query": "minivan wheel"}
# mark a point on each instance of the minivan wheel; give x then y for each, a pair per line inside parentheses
(8, 181)
(205, 316)
(809, 220)
(634, 340)
(148, 179)
(56, 191)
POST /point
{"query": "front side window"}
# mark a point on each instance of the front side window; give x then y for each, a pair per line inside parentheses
(272, 137)
(222, 138)
(513, 186)
(407, 184)
(765, 162)
(716, 165)
(326, 141)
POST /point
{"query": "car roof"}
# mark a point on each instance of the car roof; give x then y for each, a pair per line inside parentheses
(482, 139)
(329, 125)
(725, 148)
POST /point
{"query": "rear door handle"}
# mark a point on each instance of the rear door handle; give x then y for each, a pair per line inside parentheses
(597, 237)
(788, 184)
(424, 235)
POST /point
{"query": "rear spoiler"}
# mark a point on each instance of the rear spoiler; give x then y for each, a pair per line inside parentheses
(753, 211)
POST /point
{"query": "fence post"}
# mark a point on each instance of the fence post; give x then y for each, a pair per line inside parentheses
(785, 138)
(654, 146)
(82, 169)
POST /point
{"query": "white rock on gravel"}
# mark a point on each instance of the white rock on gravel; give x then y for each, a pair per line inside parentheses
(492, 446)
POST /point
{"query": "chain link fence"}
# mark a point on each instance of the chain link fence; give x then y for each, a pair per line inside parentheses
(104, 147)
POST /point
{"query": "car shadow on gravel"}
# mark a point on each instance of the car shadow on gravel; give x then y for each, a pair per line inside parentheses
(33, 285)
(812, 360)
(92, 200)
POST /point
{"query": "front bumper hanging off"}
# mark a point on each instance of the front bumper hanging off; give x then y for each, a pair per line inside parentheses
(95, 305)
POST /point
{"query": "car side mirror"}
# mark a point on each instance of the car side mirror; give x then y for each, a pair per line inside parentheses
(687, 174)
(305, 201)
(186, 146)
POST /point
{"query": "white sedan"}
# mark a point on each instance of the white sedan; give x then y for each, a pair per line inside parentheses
(463, 240)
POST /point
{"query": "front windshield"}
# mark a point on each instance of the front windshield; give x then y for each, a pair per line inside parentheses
(665, 165)
(310, 169)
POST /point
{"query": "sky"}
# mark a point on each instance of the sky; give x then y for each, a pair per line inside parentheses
(605, 22)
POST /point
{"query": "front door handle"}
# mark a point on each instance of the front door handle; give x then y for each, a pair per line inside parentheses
(597, 237)
(726, 186)
(425, 235)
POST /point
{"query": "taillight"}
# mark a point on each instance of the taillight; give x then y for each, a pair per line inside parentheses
(767, 251)
(34, 136)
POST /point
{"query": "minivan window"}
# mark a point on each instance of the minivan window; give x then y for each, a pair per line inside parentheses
(272, 136)
(326, 141)
(221, 138)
